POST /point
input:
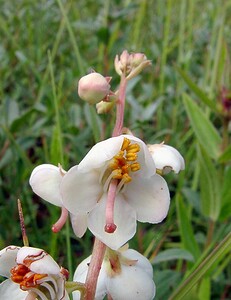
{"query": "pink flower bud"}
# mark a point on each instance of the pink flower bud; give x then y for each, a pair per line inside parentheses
(122, 63)
(93, 88)
(124, 58)
(130, 64)
(137, 58)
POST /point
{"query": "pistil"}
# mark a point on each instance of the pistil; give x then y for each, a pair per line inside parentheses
(119, 169)
(61, 221)
(110, 226)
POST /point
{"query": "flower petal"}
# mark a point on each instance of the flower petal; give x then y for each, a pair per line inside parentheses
(80, 191)
(11, 290)
(45, 181)
(133, 283)
(81, 274)
(61, 293)
(8, 260)
(124, 218)
(79, 223)
(149, 197)
(142, 261)
(101, 153)
(38, 261)
(167, 158)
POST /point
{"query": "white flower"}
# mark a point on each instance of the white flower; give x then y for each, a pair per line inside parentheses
(123, 275)
(166, 158)
(45, 182)
(32, 273)
(119, 168)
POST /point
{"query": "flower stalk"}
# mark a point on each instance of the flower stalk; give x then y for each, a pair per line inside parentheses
(120, 106)
(100, 248)
(94, 269)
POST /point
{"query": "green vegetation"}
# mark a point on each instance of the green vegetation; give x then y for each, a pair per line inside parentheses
(46, 46)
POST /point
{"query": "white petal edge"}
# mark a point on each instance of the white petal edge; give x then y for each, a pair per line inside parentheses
(39, 261)
(149, 197)
(124, 218)
(100, 153)
(45, 182)
(11, 290)
(8, 260)
(142, 261)
(80, 191)
(79, 223)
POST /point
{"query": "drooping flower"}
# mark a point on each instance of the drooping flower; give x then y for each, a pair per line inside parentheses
(166, 158)
(32, 273)
(117, 176)
(45, 181)
(123, 275)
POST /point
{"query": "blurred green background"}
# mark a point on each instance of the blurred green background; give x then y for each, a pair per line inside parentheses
(183, 98)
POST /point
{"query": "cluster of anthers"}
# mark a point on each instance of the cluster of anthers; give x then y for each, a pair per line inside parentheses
(44, 286)
(25, 278)
(124, 162)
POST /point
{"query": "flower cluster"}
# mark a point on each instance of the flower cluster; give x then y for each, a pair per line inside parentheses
(117, 183)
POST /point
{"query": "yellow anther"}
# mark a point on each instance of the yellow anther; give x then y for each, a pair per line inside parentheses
(122, 163)
(126, 178)
(125, 144)
(125, 168)
(117, 174)
(133, 148)
(135, 167)
(131, 156)
(114, 163)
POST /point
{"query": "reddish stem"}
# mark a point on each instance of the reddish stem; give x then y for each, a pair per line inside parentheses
(61, 221)
(120, 107)
(22, 224)
(110, 226)
(94, 269)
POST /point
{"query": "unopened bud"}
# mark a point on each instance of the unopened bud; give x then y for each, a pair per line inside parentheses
(137, 58)
(130, 64)
(93, 88)
(138, 63)
(122, 63)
